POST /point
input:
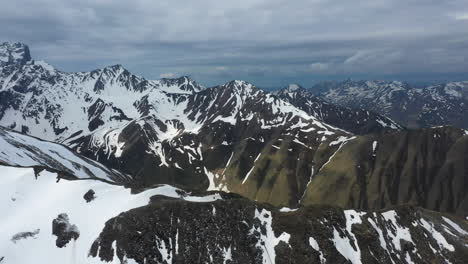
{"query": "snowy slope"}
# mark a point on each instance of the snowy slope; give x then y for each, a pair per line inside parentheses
(28, 204)
(25, 151)
(42, 101)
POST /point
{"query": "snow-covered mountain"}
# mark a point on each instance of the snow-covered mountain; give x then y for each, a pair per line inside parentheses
(434, 105)
(357, 121)
(162, 131)
(272, 148)
(39, 100)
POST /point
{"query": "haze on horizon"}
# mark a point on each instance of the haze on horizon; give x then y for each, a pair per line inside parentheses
(267, 42)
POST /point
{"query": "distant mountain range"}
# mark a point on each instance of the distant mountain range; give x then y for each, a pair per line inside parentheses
(357, 121)
(235, 157)
(433, 105)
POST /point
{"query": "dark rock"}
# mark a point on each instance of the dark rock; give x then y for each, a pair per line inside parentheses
(25, 235)
(37, 171)
(89, 195)
(64, 231)
(406, 245)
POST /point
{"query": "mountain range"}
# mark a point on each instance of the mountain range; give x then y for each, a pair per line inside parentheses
(414, 107)
(339, 173)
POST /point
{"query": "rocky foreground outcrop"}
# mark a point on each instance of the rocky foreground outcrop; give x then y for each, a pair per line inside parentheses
(236, 230)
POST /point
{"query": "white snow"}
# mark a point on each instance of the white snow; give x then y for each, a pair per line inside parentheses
(456, 227)
(248, 174)
(211, 176)
(36, 152)
(383, 243)
(408, 258)
(227, 255)
(313, 243)
(343, 244)
(374, 147)
(287, 209)
(400, 232)
(293, 87)
(340, 140)
(270, 241)
(45, 65)
(441, 241)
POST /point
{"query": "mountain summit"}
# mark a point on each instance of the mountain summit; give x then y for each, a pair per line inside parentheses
(14, 53)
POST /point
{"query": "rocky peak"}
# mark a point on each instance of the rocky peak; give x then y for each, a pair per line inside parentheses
(239, 87)
(291, 90)
(114, 68)
(293, 87)
(14, 53)
(184, 84)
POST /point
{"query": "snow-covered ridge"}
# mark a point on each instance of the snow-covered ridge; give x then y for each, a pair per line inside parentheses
(23, 195)
(25, 151)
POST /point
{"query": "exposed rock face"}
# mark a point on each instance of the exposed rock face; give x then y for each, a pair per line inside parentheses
(89, 196)
(25, 235)
(434, 105)
(64, 230)
(235, 230)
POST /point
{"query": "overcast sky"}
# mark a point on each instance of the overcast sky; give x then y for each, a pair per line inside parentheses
(267, 42)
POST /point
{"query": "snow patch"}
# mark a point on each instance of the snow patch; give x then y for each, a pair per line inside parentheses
(267, 242)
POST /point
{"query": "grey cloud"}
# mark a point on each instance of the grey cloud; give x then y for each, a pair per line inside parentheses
(264, 40)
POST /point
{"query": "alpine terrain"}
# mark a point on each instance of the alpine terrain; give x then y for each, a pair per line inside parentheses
(415, 107)
(109, 167)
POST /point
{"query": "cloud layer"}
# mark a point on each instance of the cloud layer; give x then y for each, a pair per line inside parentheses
(269, 42)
